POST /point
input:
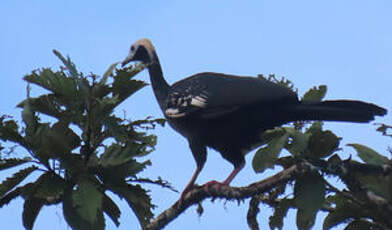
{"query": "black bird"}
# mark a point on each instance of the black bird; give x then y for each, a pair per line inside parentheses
(228, 113)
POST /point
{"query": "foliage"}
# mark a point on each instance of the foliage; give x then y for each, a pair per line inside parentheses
(364, 203)
(77, 147)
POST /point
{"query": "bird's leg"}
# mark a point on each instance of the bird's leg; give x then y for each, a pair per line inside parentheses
(199, 152)
(190, 184)
(233, 173)
(236, 170)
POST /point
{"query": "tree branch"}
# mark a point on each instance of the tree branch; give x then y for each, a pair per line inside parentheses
(200, 193)
(252, 213)
(342, 169)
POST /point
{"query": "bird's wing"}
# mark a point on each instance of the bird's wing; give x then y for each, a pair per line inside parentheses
(211, 95)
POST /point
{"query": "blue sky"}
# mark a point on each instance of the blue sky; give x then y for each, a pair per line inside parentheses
(343, 44)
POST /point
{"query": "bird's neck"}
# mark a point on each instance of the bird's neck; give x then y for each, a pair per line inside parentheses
(158, 83)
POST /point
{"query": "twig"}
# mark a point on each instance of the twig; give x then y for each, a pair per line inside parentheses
(159, 182)
(343, 193)
(252, 213)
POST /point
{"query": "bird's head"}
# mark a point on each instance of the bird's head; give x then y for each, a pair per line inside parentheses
(142, 50)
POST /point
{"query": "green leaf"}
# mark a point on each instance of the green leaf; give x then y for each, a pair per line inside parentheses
(344, 211)
(9, 131)
(335, 218)
(315, 127)
(116, 155)
(282, 81)
(299, 141)
(9, 183)
(38, 194)
(82, 207)
(149, 123)
(73, 163)
(137, 167)
(124, 86)
(49, 186)
(368, 155)
(323, 143)
(88, 201)
(315, 94)
(60, 107)
(62, 139)
(56, 82)
(309, 196)
(280, 211)
(383, 128)
(144, 144)
(12, 162)
(111, 209)
(115, 129)
(29, 118)
(31, 209)
(101, 89)
(14, 194)
(381, 185)
(265, 157)
(70, 213)
(119, 173)
(54, 142)
(108, 73)
(138, 199)
(47, 104)
(68, 64)
(106, 105)
(38, 142)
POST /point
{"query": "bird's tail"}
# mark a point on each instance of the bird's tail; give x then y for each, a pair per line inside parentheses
(339, 110)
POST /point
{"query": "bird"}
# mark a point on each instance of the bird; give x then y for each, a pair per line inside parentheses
(229, 113)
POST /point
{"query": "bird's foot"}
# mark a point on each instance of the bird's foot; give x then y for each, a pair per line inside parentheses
(185, 192)
(213, 185)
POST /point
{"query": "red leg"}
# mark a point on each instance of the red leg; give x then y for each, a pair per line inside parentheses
(233, 174)
(190, 184)
(226, 182)
(199, 152)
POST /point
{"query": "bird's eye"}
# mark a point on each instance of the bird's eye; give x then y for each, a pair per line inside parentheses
(132, 48)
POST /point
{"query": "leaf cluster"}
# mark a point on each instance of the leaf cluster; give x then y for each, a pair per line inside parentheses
(78, 147)
(365, 203)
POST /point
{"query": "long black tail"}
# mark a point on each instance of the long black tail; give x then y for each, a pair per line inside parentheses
(339, 110)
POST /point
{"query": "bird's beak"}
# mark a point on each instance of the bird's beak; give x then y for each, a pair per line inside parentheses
(128, 59)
